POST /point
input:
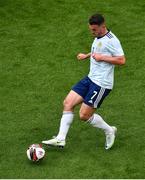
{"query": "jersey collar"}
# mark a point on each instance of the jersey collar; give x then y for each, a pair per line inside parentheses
(104, 34)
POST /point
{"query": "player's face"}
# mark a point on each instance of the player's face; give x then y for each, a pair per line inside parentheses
(96, 30)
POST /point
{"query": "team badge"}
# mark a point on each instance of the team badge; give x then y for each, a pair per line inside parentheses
(99, 45)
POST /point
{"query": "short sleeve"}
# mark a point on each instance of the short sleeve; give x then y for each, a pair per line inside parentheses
(115, 48)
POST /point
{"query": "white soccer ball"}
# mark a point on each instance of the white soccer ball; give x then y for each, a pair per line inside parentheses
(35, 152)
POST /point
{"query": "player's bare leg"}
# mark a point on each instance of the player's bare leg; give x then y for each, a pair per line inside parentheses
(87, 114)
(71, 100)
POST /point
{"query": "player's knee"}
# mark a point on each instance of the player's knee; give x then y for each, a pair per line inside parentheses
(67, 105)
(84, 116)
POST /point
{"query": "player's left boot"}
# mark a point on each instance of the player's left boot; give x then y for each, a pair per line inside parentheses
(55, 142)
(110, 138)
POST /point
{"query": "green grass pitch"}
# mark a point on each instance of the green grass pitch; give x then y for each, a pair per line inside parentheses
(39, 41)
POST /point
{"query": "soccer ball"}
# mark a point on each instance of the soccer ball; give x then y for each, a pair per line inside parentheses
(35, 152)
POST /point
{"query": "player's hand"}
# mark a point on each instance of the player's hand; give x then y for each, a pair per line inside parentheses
(81, 56)
(97, 56)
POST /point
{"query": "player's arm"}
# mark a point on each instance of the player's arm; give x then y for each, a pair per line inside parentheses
(82, 56)
(116, 60)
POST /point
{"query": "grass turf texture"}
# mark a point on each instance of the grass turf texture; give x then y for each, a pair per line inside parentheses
(39, 41)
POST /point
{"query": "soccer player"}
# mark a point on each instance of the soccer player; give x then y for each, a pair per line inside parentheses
(106, 52)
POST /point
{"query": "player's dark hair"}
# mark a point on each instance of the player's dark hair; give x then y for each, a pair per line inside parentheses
(96, 19)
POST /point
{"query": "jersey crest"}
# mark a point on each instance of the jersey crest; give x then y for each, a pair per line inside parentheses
(99, 45)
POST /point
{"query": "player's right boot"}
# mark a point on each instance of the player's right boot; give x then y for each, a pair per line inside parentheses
(110, 138)
(55, 142)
